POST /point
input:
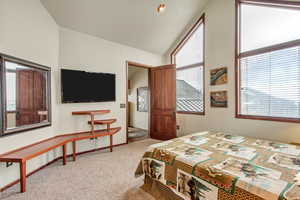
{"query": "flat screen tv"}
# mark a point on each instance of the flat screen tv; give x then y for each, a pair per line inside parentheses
(81, 86)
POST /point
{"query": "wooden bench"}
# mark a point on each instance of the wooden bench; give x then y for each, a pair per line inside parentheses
(23, 154)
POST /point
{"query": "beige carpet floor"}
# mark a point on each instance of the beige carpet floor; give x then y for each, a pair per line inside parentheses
(136, 132)
(94, 176)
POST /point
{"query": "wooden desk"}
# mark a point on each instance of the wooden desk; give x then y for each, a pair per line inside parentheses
(91, 112)
(23, 154)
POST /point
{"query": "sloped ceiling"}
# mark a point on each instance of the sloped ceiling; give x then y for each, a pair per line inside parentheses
(130, 22)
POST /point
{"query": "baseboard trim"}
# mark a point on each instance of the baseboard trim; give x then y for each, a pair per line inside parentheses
(53, 161)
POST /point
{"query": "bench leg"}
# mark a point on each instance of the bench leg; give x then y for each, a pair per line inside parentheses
(64, 154)
(92, 124)
(23, 176)
(111, 143)
(74, 150)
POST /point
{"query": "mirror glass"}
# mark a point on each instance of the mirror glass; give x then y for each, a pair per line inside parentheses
(26, 96)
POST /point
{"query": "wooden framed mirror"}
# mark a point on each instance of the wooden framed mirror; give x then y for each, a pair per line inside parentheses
(25, 95)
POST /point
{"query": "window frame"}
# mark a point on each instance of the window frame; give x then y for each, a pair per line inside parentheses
(199, 22)
(239, 55)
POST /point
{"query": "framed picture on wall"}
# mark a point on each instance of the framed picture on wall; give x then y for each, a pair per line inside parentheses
(218, 76)
(219, 99)
(142, 99)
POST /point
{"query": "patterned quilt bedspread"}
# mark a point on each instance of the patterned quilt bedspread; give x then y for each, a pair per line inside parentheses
(196, 166)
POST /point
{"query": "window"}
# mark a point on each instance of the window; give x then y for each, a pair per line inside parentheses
(189, 59)
(268, 61)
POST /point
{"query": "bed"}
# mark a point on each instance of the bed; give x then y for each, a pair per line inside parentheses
(219, 166)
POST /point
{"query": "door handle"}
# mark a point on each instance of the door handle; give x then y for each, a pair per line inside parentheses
(174, 115)
(18, 115)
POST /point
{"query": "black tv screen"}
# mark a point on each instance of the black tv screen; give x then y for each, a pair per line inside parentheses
(81, 86)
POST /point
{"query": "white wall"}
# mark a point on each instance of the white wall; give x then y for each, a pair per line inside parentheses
(83, 52)
(220, 51)
(138, 79)
(30, 33)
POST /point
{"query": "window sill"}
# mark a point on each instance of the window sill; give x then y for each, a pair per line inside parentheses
(297, 144)
(277, 119)
(190, 113)
(11, 111)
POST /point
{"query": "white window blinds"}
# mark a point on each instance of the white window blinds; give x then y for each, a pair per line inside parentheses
(270, 84)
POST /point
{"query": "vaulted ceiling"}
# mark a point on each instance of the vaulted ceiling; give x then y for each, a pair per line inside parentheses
(135, 23)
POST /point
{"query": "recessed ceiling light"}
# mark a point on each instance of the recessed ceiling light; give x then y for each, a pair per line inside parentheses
(161, 8)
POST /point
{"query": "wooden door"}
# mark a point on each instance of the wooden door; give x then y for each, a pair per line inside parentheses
(39, 97)
(163, 102)
(31, 88)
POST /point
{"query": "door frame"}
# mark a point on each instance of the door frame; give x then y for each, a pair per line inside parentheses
(148, 67)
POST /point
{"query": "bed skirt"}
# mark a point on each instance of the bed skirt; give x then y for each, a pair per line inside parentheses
(161, 192)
